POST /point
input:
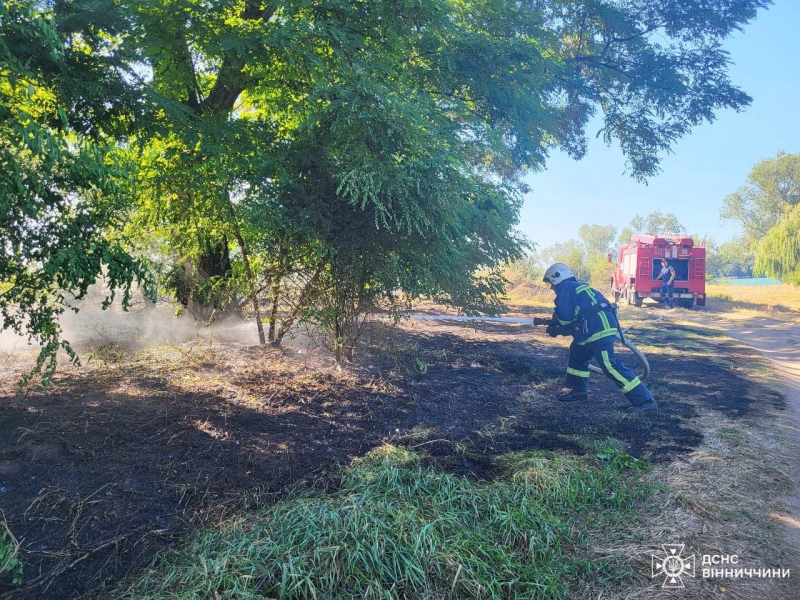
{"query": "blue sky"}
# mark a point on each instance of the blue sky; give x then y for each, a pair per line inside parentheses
(704, 167)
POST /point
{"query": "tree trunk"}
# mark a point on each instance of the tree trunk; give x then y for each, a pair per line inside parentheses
(305, 297)
(273, 316)
(251, 282)
(337, 341)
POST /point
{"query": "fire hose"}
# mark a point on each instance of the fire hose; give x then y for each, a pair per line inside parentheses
(623, 339)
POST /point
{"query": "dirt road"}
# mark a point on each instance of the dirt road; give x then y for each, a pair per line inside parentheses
(780, 343)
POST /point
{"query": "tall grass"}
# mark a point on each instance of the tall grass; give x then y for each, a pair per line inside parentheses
(765, 298)
(528, 294)
(399, 529)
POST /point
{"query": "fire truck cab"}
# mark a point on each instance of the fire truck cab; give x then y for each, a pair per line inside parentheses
(636, 274)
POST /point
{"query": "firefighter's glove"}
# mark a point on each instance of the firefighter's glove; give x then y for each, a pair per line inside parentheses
(554, 329)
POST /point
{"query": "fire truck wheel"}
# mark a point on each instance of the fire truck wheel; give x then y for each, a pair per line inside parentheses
(634, 299)
(686, 302)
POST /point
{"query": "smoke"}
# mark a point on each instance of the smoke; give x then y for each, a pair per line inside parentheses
(144, 324)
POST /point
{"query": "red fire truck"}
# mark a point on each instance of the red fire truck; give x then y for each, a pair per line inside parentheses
(636, 275)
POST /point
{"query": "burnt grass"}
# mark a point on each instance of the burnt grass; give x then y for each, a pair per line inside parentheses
(128, 455)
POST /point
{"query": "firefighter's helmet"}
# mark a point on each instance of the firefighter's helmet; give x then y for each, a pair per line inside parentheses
(557, 273)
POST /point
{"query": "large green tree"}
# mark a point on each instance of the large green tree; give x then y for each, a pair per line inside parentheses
(599, 240)
(400, 97)
(292, 139)
(766, 208)
(778, 253)
(571, 253)
(587, 257)
(772, 187)
(653, 223)
(733, 258)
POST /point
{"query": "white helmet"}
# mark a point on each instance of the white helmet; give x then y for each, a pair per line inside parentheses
(557, 273)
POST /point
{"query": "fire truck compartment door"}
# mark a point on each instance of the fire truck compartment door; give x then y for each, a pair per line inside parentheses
(681, 266)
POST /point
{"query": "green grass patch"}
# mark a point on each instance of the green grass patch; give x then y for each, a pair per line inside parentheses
(10, 565)
(732, 435)
(397, 528)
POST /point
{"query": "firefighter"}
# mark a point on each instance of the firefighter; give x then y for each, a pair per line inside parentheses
(667, 277)
(584, 313)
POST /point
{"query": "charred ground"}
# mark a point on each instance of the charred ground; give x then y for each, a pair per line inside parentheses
(124, 457)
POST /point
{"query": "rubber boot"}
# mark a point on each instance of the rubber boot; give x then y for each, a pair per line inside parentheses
(645, 407)
(573, 396)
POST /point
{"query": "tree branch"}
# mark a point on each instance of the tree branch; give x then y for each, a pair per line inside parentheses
(231, 78)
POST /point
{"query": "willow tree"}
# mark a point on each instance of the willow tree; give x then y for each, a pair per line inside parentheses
(778, 252)
(772, 187)
(766, 208)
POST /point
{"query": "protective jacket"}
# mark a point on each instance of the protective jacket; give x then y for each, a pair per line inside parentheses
(586, 311)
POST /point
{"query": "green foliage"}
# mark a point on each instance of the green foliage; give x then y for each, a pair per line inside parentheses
(587, 257)
(765, 207)
(571, 253)
(654, 223)
(600, 271)
(204, 294)
(600, 243)
(616, 460)
(733, 258)
(772, 187)
(58, 195)
(348, 292)
(407, 124)
(396, 528)
(778, 253)
(11, 569)
(302, 135)
(527, 270)
(599, 240)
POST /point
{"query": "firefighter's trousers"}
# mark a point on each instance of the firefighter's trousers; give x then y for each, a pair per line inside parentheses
(603, 350)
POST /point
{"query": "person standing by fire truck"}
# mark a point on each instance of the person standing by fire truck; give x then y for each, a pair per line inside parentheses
(667, 277)
(584, 313)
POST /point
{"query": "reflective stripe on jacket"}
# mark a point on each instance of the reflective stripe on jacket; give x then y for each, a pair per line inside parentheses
(574, 307)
